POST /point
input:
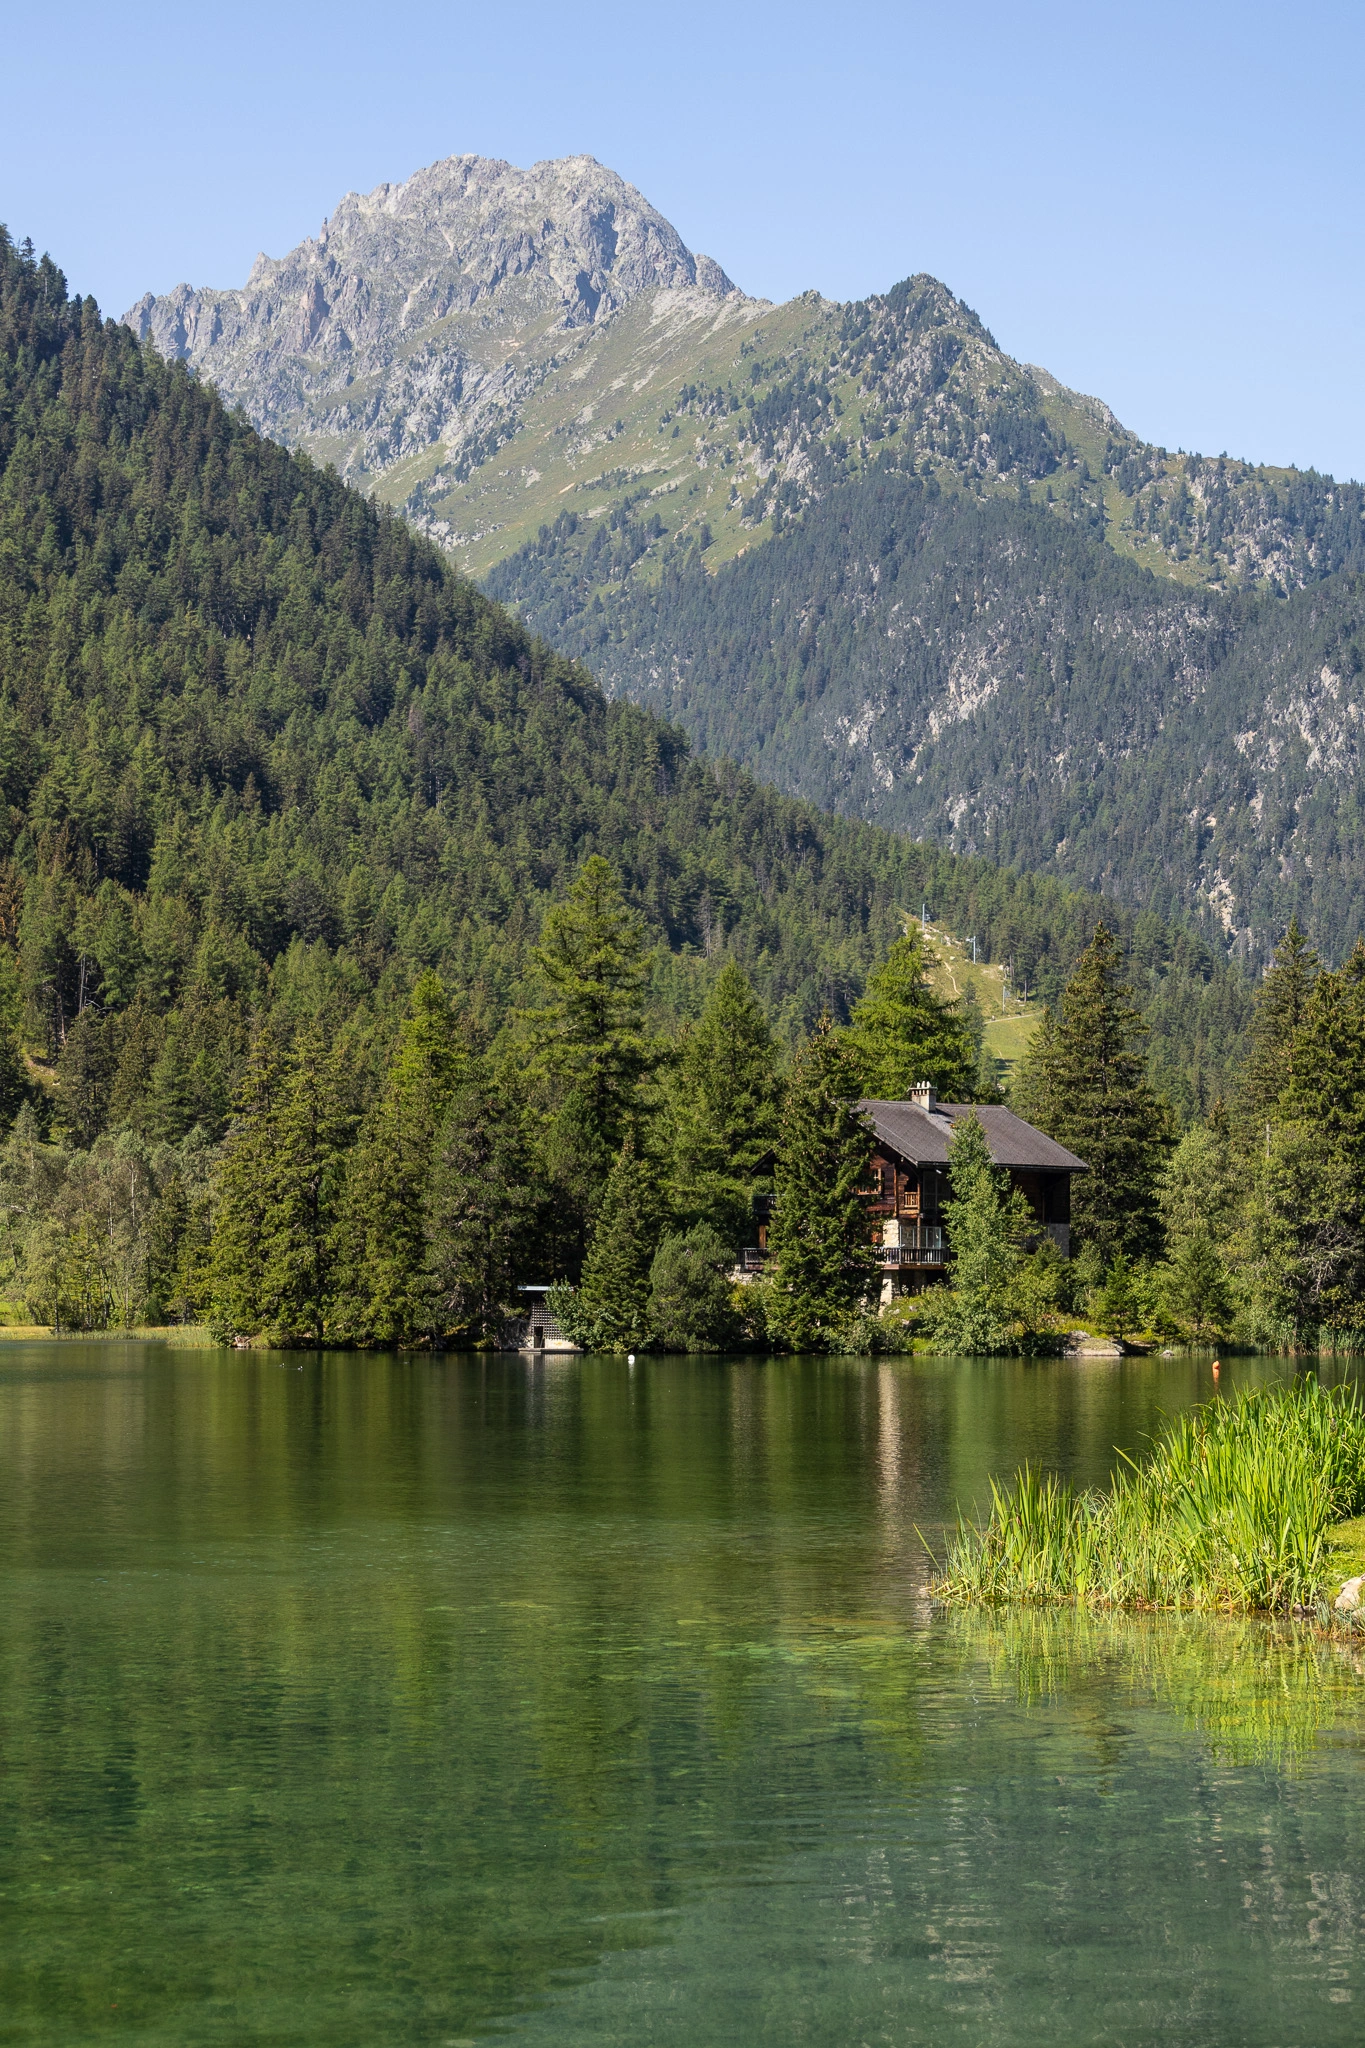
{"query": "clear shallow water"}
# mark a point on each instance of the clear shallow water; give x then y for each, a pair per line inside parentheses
(377, 1701)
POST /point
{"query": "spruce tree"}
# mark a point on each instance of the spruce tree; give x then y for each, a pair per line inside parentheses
(1314, 1168)
(245, 1195)
(589, 1033)
(986, 1219)
(902, 1033)
(310, 1127)
(1118, 1303)
(589, 1049)
(1281, 1008)
(610, 1309)
(1293, 1242)
(1194, 1285)
(1084, 1082)
(824, 1263)
(382, 1293)
(165, 1238)
(479, 1211)
(724, 1099)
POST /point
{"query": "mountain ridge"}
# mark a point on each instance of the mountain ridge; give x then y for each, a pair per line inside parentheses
(457, 320)
(619, 472)
(263, 752)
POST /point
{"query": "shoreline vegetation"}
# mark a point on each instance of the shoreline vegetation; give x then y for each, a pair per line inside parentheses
(362, 969)
(1241, 1506)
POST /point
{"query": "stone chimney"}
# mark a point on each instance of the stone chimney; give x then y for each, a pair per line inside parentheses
(924, 1095)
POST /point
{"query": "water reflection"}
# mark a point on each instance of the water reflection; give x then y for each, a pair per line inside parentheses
(357, 1700)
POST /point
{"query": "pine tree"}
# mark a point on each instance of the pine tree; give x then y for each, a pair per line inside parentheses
(1084, 1082)
(1281, 1007)
(824, 1263)
(610, 1309)
(479, 1210)
(724, 1100)
(382, 1292)
(1194, 1286)
(902, 1033)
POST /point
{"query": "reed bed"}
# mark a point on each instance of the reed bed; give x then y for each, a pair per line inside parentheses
(1230, 1510)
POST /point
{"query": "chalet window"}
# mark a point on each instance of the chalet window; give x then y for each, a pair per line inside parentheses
(871, 1182)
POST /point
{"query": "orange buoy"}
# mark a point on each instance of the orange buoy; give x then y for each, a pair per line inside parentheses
(1215, 1368)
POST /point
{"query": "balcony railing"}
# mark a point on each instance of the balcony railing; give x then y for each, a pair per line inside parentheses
(752, 1259)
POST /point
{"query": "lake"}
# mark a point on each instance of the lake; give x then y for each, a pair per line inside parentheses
(376, 1700)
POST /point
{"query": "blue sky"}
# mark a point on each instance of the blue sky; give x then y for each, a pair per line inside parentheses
(1161, 204)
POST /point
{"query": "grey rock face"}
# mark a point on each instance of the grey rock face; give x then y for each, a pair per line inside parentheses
(424, 312)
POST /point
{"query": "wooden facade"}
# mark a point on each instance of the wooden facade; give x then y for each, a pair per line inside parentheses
(906, 1186)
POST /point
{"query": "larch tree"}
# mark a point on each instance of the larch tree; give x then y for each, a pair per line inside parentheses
(902, 1033)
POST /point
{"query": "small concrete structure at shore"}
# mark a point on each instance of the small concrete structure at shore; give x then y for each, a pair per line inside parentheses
(537, 1330)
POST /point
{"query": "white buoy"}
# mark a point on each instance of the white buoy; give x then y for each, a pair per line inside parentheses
(630, 1358)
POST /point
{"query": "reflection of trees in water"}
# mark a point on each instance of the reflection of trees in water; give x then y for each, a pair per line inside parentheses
(1257, 1691)
(406, 1686)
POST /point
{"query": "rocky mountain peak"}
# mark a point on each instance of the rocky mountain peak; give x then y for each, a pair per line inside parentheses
(439, 298)
(568, 239)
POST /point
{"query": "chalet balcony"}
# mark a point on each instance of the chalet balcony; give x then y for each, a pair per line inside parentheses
(921, 1246)
(752, 1259)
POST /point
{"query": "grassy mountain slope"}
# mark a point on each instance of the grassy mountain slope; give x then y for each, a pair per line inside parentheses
(479, 344)
(262, 748)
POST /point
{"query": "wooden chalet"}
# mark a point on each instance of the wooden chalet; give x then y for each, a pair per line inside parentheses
(907, 1180)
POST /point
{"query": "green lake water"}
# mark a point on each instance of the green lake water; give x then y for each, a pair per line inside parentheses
(388, 1700)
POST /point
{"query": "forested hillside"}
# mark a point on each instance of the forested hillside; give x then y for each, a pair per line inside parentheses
(857, 549)
(262, 745)
(975, 670)
(273, 773)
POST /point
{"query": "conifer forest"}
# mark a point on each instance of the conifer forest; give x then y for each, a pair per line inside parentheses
(361, 964)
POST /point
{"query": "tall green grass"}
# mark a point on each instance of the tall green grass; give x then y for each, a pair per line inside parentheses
(1231, 1510)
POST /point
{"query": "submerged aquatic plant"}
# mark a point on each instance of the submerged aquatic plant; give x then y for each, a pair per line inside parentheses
(1257, 1690)
(1231, 1509)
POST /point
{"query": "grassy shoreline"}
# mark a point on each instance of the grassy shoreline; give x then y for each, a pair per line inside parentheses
(184, 1336)
(1233, 1510)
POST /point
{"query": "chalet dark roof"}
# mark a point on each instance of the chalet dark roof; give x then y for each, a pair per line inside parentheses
(921, 1136)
